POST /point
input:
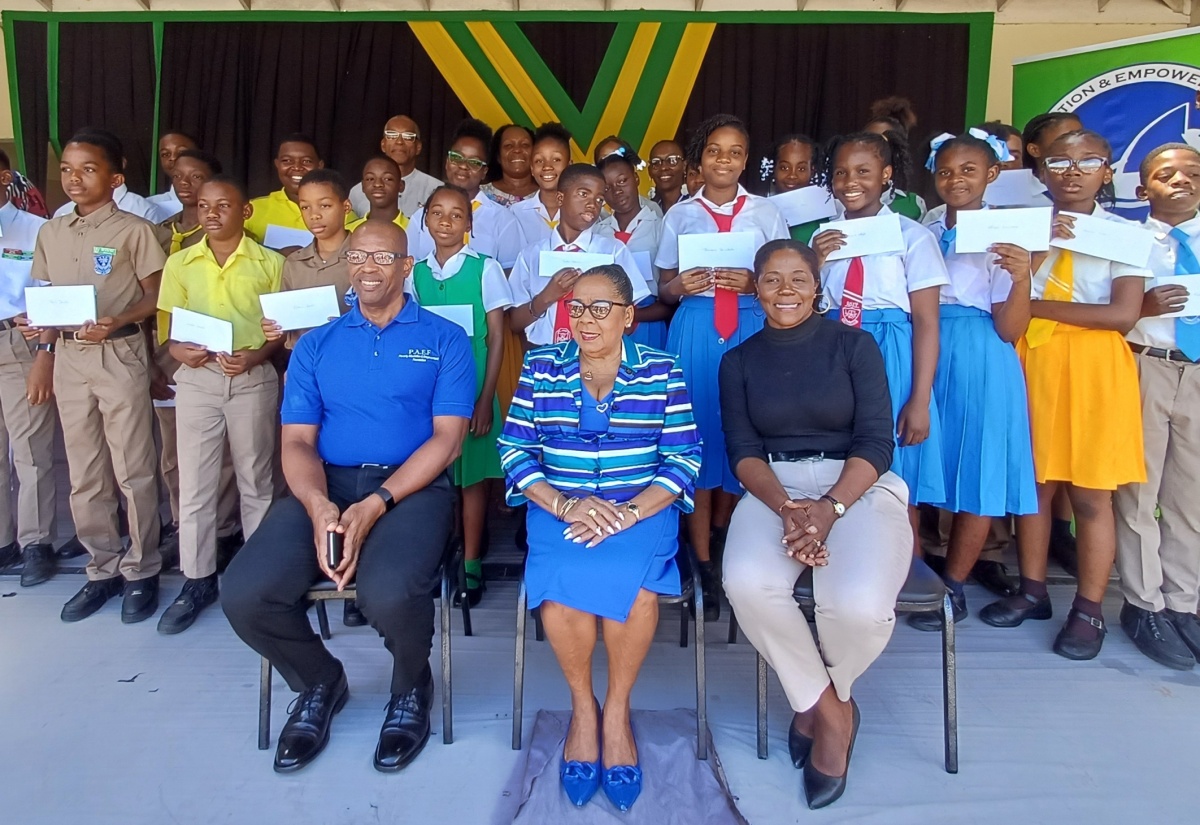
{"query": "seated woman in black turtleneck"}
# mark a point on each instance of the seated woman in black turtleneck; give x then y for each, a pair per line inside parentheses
(808, 429)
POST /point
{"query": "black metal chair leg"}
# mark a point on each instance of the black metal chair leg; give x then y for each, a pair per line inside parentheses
(701, 684)
(760, 704)
(949, 686)
(447, 676)
(519, 669)
(323, 620)
(264, 705)
(539, 630)
(733, 627)
(683, 625)
(466, 605)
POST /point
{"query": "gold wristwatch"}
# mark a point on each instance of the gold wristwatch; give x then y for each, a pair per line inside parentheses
(839, 509)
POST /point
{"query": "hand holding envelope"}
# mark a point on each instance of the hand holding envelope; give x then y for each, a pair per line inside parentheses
(859, 237)
(300, 308)
(214, 334)
(1124, 243)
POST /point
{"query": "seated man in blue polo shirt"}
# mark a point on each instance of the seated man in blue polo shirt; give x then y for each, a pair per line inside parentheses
(374, 412)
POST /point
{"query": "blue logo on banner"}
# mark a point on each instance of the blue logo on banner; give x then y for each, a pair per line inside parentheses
(1138, 108)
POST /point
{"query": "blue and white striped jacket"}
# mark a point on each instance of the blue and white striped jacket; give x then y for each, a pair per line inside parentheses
(651, 439)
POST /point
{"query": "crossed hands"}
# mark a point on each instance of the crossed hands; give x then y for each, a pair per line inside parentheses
(806, 525)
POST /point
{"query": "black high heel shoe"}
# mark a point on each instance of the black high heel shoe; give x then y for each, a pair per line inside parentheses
(822, 790)
(799, 746)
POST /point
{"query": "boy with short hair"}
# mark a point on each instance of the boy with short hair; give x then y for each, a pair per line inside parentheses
(170, 145)
(381, 182)
(295, 156)
(220, 395)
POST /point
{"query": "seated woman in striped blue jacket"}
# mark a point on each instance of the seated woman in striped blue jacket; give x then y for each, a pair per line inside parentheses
(600, 439)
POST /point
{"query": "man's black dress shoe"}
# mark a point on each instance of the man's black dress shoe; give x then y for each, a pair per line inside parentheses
(351, 615)
(168, 545)
(405, 728)
(822, 790)
(306, 731)
(10, 554)
(227, 548)
(40, 564)
(710, 583)
(90, 598)
(1002, 614)
(196, 595)
(932, 622)
(993, 577)
(1071, 646)
(1188, 628)
(1157, 637)
(73, 547)
(141, 600)
(799, 746)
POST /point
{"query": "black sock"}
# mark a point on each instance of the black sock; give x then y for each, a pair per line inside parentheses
(1034, 589)
(1079, 626)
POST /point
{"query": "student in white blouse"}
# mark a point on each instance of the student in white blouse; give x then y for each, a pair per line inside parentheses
(538, 215)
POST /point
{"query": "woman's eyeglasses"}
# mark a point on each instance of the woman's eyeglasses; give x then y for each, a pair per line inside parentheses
(1085, 166)
(669, 160)
(459, 159)
(358, 256)
(599, 309)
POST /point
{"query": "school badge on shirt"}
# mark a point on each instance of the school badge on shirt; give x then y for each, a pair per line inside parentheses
(103, 256)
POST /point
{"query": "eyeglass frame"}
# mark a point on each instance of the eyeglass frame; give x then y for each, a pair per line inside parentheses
(396, 256)
(459, 159)
(1071, 163)
(576, 304)
(407, 137)
(669, 160)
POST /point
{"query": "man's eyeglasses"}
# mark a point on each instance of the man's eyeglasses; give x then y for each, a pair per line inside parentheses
(669, 160)
(459, 159)
(407, 137)
(599, 309)
(359, 256)
(1086, 166)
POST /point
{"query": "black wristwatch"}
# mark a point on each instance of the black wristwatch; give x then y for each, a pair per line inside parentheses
(388, 501)
(45, 348)
(839, 509)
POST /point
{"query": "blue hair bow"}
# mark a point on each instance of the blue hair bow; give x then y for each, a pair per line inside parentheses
(999, 147)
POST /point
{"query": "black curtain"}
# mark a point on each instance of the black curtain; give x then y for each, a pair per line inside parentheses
(237, 87)
(29, 46)
(106, 79)
(820, 80)
(573, 52)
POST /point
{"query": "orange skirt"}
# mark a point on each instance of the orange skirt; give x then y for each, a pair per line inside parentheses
(1085, 409)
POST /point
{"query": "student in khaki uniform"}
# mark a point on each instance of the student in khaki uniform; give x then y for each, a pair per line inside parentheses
(221, 395)
(295, 156)
(26, 418)
(102, 376)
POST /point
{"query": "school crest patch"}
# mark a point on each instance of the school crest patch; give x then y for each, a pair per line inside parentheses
(102, 257)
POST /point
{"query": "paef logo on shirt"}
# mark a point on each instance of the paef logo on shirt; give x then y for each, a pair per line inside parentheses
(421, 356)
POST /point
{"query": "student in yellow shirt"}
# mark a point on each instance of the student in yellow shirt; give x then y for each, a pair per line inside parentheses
(381, 182)
(295, 156)
(220, 395)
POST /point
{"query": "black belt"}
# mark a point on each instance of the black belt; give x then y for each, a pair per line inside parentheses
(8, 323)
(1165, 354)
(119, 332)
(807, 455)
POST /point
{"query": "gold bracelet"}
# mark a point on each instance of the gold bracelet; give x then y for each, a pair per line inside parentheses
(779, 512)
(557, 501)
(571, 502)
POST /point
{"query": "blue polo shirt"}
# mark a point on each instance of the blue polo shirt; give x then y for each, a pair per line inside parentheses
(374, 392)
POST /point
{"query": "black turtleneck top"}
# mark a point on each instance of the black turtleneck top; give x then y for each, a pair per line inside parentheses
(819, 386)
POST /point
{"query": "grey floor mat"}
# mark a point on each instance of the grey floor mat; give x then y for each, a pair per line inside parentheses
(677, 787)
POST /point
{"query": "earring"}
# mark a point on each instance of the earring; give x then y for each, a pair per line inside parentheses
(818, 303)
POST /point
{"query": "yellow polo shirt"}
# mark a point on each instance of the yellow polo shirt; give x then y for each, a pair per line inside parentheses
(400, 221)
(193, 279)
(276, 208)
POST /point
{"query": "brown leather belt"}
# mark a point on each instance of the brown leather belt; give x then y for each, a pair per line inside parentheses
(1174, 355)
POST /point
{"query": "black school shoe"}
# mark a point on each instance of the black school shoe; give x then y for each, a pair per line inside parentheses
(405, 727)
(306, 732)
(10, 554)
(1004, 614)
(39, 564)
(351, 615)
(90, 598)
(141, 600)
(1078, 648)
(1188, 628)
(196, 595)
(1156, 637)
(72, 548)
(993, 577)
(932, 622)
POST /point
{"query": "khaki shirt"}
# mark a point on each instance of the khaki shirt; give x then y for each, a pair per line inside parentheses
(109, 249)
(304, 269)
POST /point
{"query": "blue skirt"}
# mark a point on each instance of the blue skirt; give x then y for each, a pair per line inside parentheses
(604, 580)
(921, 464)
(980, 394)
(650, 334)
(693, 337)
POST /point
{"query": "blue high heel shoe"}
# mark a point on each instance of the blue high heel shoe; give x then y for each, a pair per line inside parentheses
(580, 780)
(623, 785)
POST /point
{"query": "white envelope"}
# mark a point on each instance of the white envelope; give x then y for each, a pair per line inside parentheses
(550, 263)
(732, 250)
(1192, 284)
(281, 237)
(812, 203)
(301, 308)
(1013, 187)
(461, 314)
(867, 236)
(60, 306)
(213, 334)
(1124, 243)
(646, 268)
(1028, 228)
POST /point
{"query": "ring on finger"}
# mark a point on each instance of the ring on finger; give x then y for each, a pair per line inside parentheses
(592, 512)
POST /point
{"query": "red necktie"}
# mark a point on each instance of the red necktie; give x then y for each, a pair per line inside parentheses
(623, 237)
(725, 301)
(562, 320)
(852, 294)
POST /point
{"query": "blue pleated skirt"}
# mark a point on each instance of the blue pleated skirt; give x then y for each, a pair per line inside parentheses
(605, 579)
(980, 394)
(921, 464)
(695, 340)
(651, 334)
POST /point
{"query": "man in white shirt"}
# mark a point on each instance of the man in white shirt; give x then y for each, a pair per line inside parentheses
(26, 417)
(401, 142)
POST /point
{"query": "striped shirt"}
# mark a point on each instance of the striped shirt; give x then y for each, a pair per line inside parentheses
(651, 439)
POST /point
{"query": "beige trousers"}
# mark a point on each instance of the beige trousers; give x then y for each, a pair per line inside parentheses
(27, 431)
(168, 467)
(870, 551)
(1159, 560)
(103, 395)
(212, 409)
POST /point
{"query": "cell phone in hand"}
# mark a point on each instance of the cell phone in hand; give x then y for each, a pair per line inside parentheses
(333, 549)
